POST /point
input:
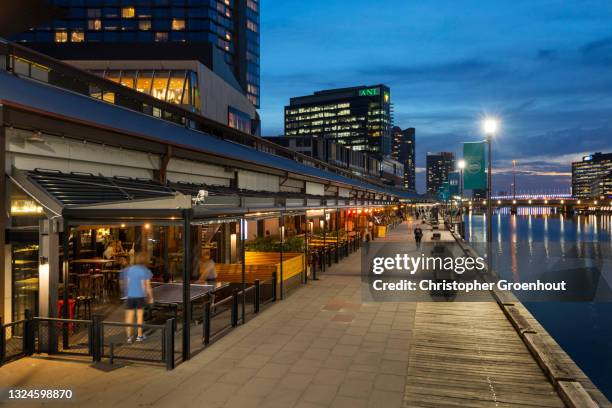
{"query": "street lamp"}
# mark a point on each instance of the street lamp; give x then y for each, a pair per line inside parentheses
(461, 166)
(490, 126)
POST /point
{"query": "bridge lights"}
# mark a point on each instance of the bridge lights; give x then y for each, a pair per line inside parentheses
(513, 201)
(529, 201)
(595, 202)
(484, 202)
(545, 201)
(578, 201)
(498, 202)
(562, 201)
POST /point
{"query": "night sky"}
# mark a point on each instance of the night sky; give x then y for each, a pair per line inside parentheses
(543, 66)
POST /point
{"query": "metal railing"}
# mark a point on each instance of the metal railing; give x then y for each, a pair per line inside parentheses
(220, 317)
(14, 340)
(110, 340)
(62, 336)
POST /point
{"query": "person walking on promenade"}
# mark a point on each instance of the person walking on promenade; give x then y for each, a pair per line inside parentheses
(418, 236)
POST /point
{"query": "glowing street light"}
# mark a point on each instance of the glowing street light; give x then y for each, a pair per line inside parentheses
(490, 126)
(461, 166)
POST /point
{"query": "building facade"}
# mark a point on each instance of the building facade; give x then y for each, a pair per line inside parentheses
(438, 164)
(590, 176)
(388, 170)
(403, 150)
(165, 49)
(84, 171)
(357, 117)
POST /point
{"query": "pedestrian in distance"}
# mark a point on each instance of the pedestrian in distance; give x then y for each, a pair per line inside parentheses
(418, 236)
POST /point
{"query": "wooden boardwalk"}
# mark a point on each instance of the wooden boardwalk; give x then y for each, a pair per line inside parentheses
(469, 355)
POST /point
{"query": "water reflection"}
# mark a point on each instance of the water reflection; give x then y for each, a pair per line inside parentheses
(538, 239)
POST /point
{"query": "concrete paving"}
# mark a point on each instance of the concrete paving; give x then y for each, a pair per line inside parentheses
(320, 347)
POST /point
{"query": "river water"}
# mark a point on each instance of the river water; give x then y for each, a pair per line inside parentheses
(538, 243)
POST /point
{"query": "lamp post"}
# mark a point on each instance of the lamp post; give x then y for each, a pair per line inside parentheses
(490, 126)
(461, 166)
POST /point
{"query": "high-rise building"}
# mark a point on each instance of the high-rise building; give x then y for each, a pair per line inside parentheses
(200, 54)
(358, 117)
(403, 150)
(589, 176)
(439, 164)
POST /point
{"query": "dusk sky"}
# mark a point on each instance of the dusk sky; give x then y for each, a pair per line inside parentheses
(543, 66)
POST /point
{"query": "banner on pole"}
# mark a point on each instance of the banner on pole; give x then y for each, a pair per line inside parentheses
(453, 183)
(474, 177)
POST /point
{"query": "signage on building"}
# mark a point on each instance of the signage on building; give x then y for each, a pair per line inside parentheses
(369, 92)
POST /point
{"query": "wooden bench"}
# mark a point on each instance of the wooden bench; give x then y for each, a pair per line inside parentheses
(261, 265)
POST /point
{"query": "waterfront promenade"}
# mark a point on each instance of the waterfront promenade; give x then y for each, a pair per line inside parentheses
(323, 347)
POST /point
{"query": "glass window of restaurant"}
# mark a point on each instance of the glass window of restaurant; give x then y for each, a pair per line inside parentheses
(23, 245)
(99, 251)
(217, 255)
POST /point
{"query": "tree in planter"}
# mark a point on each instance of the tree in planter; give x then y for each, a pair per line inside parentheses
(264, 244)
(293, 244)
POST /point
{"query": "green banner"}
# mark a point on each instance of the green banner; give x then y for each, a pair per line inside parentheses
(474, 177)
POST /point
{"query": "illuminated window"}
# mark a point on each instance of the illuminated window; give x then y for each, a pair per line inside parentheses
(143, 83)
(253, 5)
(94, 25)
(160, 85)
(252, 26)
(178, 24)
(109, 97)
(161, 36)
(144, 25)
(238, 120)
(61, 36)
(77, 36)
(176, 87)
(128, 12)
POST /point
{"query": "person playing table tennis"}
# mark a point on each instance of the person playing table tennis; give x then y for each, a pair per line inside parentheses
(138, 292)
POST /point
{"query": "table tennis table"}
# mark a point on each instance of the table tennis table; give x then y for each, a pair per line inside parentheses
(170, 295)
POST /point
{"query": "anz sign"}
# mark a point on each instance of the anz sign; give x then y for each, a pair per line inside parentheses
(369, 92)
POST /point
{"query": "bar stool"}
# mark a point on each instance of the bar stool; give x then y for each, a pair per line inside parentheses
(84, 298)
(83, 303)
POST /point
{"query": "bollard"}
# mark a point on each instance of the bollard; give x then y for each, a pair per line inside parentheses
(314, 266)
(98, 339)
(206, 323)
(274, 286)
(235, 308)
(169, 343)
(28, 342)
(257, 296)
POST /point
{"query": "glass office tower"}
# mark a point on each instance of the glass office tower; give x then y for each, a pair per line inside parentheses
(591, 175)
(358, 117)
(439, 164)
(231, 26)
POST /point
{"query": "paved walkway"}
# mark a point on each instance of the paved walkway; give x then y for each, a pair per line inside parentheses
(323, 347)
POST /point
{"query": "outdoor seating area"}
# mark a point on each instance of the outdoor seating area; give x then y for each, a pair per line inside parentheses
(230, 267)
